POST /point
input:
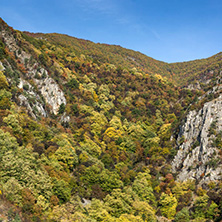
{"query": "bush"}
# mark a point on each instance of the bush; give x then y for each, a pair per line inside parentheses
(62, 108)
(26, 87)
(2, 50)
(2, 53)
(42, 59)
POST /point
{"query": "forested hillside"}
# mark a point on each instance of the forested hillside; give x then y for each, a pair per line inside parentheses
(88, 132)
(179, 73)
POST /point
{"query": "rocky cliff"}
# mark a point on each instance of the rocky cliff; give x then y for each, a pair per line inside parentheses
(38, 89)
(199, 139)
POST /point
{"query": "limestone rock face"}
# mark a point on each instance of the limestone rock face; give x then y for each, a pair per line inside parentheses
(12, 45)
(197, 157)
(31, 100)
(51, 92)
(2, 68)
(43, 90)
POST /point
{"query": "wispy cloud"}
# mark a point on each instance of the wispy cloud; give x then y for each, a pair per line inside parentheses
(156, 34)
(122, 20)
(107, 7)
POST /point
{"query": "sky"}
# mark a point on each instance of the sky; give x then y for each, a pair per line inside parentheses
(166, 30)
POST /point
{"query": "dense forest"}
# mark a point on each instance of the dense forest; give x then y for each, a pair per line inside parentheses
(88, 132)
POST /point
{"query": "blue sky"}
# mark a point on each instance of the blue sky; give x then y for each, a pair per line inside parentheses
(167, 30)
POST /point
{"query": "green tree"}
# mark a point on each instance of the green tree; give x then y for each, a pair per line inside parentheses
(12, 121)
(97, 211)
(201, 206)
(3, 81)
(144, 210)
(5, 97)
(118, 203)
(43, 59)
(143, 187)
(91, 147)
(12, 190)
(7, 142)
(168, 204)
(128, 218)
(21, 164)
(213, 211)
(182, 216)
(62, 190)
(110, 181)
(73, 83)
(62, 108)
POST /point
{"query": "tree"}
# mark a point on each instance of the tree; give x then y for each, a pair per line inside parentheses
(213, 211)
(21, 164)
(73, 84)
(12, 121)
(43, 59)
(168, 204)
(3, 81)
(66, 156)
(62, 190)
(98, 122)
(164, 132)
(144, 210)
(7, 142)
(91, 147)
(5, 97)
(28, 201)
(201, 206)
(143, 188)
(118, 203)
(97, 211)
(128, 218)
(12, 190)
(110, 181)
(182, 216)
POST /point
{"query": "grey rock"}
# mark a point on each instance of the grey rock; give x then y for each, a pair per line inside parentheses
(51, 92)
(47, 87)
(195, 148)
(64, 118)
(2, 68)
(194, 86)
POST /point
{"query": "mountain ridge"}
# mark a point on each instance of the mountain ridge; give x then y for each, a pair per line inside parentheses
(136, 59)
(169, 70)
(40, 34)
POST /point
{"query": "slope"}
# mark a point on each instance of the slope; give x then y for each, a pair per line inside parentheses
(180, 74)
(104, 53)
(89, 140)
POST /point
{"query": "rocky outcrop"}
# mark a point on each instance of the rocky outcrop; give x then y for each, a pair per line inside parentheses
(198, 157)
(2, 68)
(45, 90)
(51, 92)
(194, 86)
(12, 45)
(31, 100)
